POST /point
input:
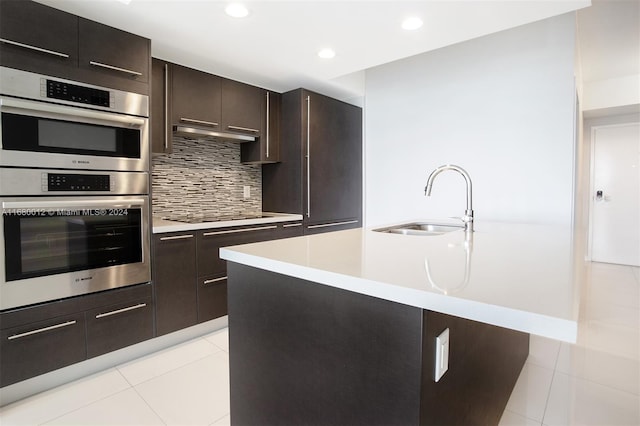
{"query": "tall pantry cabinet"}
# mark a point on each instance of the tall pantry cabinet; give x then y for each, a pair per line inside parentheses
(320, 169)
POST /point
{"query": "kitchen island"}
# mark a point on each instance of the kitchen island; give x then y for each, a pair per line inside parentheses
(340, 328)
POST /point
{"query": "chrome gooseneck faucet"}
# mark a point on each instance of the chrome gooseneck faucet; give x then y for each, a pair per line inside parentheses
(468, 213)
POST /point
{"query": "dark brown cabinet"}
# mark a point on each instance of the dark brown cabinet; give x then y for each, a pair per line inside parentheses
(44, 40)
(113, 58)
(212, 297)
(212, 271)
(256, 112)
(190, 279)
(210, 241)
(27, 29)
(174, 280)
(116, 326)
(161, 132)
(267, 148)
(37, 348)
(243, 107)
(320, 170)
(181, 96)
(42, 338)
(195, 98)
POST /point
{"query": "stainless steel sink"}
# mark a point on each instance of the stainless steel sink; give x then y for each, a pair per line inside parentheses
(421, 228)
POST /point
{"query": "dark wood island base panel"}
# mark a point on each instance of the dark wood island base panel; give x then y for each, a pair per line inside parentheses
(303, 353)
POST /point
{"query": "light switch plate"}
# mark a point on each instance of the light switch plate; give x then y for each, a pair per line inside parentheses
(246, 189)
(442, 354)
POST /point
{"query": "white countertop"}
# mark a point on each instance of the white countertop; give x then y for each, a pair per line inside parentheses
(518, 276)
(162, 225)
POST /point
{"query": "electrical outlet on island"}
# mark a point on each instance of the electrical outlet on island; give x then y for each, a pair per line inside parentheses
(246, 191)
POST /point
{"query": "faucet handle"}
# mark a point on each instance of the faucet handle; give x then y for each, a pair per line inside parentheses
(466, 219)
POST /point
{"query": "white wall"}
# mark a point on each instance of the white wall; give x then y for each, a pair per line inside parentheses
(613, 92)
(501, 106)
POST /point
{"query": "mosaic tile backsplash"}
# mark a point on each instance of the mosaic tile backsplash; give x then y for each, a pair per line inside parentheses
(206, 178)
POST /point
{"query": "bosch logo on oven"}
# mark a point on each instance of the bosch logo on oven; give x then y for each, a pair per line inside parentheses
(80, 162)
(79, 280)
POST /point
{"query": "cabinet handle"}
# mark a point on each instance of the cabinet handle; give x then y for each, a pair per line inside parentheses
(267, 135)
(202, 122)
(234, 231)
(111, 67)
(214, 280)
(348, 222)
(308, 156)
(291, 225)
(166, 107)
(41, 330)
(119, 311)
(243, 129)
(37, 49)
(176, 237)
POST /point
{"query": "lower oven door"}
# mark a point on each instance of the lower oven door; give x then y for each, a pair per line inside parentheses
(53, 248)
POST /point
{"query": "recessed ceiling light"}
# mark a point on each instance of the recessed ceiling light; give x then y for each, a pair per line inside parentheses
(237, 10)
(412, 23)
(327, 53)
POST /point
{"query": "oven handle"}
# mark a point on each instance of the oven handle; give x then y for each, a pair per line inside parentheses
(39, 108)
(35, 205)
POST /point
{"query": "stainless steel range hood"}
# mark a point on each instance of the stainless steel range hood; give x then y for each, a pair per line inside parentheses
(215, 135)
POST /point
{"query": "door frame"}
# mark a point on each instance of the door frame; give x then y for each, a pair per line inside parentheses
(592, 189)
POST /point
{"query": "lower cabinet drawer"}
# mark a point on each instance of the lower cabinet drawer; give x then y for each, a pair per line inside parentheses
(117, 326)
(212, 297)
(40, 347)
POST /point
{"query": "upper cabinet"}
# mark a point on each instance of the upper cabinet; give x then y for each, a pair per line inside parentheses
(161, 113)
(48, 41)
(195, 98)
(111, 54)
(201, 105)
(243, 107)
(26, 32)
(267, 148)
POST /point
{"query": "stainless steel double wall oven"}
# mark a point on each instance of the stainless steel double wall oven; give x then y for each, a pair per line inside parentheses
(74, 188)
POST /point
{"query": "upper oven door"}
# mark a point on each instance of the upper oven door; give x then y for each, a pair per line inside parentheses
(52, 248)
(40, 134)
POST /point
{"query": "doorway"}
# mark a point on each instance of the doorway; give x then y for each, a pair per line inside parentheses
(615, 194)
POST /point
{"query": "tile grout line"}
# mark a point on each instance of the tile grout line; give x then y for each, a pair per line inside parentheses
(553, 377)
(546, 403)
(149, 405)
(172, 369)
(91, 402)
(593, 382)
(220, 418)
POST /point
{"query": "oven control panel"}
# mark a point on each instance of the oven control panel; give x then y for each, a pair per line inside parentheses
(17, 182)
(75, 93)
(77, 182)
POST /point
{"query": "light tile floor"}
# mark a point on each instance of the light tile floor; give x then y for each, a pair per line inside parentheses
(594, 382)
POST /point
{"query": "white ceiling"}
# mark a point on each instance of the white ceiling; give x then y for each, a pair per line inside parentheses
(276, 45)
